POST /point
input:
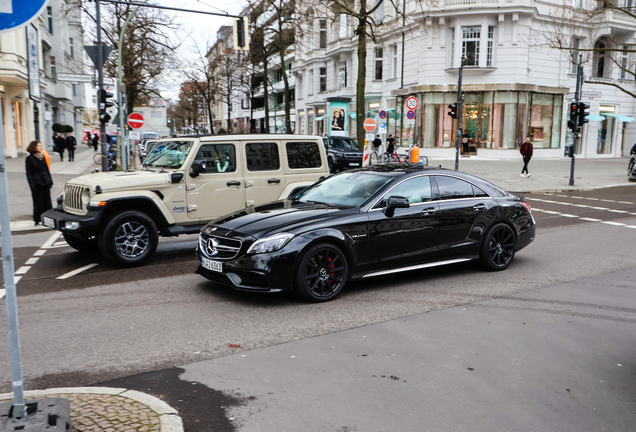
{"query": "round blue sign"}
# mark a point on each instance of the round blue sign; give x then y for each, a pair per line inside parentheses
(410, 115)
(18, 13)
(382, 114)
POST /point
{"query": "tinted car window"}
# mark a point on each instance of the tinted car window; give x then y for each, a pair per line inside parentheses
(478, 192)
(345, 189)
(262, 156)
(453, 188)
(342, 143)
(218, 157)
(303, 155)
(417, 190)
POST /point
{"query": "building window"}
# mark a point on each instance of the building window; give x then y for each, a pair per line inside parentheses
(580, 4)
(378, 15)
(74, 89)
(311, 83)
(394, 61)
(49, 16)
(71, 48)
(601, 65)
(343, 26)
(323, 79)
(323, 33)
(452, 44)
(378, 64)
(623, 63)
(576, 44)
(470, 45)
(491, 36)
(53, 73)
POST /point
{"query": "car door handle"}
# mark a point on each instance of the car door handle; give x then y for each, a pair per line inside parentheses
(234, 183)
(428, 211)
(273, 181)
(479, 207)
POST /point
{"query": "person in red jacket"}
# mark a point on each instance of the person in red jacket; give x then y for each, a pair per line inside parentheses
(526, 152)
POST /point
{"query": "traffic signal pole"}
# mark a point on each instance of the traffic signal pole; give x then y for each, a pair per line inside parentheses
(459, 111)
(579, 118)
(100, 89)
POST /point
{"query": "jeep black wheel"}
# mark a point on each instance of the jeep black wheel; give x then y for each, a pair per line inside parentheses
(322, 273)
(129, 238)
(82, 243)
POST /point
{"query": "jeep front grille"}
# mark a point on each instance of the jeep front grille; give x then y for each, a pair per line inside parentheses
(73, 198)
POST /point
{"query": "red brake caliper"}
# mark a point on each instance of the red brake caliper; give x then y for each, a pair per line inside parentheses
(331, 267)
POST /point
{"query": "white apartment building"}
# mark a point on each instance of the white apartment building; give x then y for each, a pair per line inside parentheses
(62, 48)
(514, 86)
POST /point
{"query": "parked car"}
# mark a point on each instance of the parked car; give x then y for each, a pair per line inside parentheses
(150, 135)
(183, 184)
(342, 153)
(367, 222)
(145, 148)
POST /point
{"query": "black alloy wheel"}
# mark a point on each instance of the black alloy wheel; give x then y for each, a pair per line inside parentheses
(498, 248)
(129, 238)
(322, 273)
(332, 167)
(630, 167)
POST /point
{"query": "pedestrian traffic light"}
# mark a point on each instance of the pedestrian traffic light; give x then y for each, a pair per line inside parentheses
(453, 110)
(573, 116)
(104, 103)
(582, 113)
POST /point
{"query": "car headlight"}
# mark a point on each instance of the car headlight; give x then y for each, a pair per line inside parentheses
(270, 244)
(71, 225)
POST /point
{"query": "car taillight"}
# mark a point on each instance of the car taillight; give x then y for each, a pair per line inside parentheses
(527, 206)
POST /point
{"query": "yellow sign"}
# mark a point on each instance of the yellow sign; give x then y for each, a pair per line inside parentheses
(607, 109)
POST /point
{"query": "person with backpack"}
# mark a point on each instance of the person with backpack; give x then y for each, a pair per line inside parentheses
(60, 145)
(526, 152)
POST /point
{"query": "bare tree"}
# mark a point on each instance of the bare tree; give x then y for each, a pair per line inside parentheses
(200, 73)
(147, 48)
(259, 57)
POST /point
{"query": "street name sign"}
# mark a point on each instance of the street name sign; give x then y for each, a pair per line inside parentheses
(135, 120)
(77, 78)
(369, 125)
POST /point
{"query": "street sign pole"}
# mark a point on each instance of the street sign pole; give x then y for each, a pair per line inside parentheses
(459, 112)
(100, 87)
(577, 98)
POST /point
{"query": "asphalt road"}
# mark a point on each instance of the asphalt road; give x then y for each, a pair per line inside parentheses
(107, 324)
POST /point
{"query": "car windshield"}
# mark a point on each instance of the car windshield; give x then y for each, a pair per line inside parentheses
(346, 189)
(168, 154)
(343, 143)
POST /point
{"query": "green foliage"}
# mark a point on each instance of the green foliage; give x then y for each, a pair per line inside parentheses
(68, 128)
(57, 127)
(222, 131)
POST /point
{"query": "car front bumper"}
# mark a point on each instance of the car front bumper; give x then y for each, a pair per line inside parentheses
(57, 219)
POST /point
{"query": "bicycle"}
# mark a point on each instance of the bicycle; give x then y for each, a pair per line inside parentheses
(112, 164)
(630, 165)
(394, 158)
(375, 157)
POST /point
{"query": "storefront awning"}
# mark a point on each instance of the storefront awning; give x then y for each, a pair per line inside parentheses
(320, 118)
(620, 117)
(594, 117)
(352, 115)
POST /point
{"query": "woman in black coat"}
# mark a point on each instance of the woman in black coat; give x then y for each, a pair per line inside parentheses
(39, 179)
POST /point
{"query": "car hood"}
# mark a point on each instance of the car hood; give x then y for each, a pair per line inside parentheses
(278, 216)
(114, 180)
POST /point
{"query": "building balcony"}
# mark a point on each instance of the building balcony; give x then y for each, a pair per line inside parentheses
(447, 3)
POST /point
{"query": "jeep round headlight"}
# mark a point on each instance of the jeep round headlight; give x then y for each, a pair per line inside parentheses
(86, 196)
(270, 244)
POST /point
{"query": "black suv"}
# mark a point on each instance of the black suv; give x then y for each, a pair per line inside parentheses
(342, 152)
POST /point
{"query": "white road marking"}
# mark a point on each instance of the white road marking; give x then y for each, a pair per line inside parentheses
(568, 215)
(40, 252)
(625, 202)
(591, 219)
(599, 208)
(16, 279)
(606, 200)
(576, 197)
(564, 196)
(584, 218)
(31, 261)
(613, 223)
(630, 226)
(22, 270)
(77, 271)
(593, 199)
(60, 243)
(51, 240)
(618, 211)
(2, 293)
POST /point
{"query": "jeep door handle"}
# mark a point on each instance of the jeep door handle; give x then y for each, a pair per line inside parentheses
(234, 183)
(479, 207)
(428, 211)
(273, 181)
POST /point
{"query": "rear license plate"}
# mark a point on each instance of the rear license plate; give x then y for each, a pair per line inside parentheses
(354, 164)
(212, 265)
(47, 221)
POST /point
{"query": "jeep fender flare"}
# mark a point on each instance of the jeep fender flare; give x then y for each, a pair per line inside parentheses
(142, 203)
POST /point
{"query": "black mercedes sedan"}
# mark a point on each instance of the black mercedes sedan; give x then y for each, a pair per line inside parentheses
(363, 223)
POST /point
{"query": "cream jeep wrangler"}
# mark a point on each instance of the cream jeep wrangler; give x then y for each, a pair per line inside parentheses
(183, 184)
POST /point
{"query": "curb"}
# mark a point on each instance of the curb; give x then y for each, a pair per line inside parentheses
(168, 416)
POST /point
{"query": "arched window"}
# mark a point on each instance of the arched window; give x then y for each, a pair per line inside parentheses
(601, 59)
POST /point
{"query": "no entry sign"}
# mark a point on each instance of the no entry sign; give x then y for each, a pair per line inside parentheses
(369, 125)
(135, 120)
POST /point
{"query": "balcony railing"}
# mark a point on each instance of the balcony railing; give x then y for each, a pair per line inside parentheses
(468, 2)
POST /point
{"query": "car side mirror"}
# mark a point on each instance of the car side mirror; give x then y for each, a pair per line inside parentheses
(396, 202)
(198, 166)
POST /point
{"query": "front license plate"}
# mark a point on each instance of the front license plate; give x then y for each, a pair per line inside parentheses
(47, 221)
(212, 265)
(354, 164)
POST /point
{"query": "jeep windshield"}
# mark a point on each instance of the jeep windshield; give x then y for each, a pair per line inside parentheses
(168, 154)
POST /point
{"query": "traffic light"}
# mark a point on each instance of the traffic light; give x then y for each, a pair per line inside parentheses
(241, 34)
(569, 151)
(573, 116)
(453, 110)
(104, 103)
(582, 114)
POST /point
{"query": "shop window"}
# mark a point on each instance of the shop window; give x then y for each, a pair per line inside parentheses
(470, 44)
(323, 79)
(379, 54)
(323, 33)
(605, 136)
(541, 118)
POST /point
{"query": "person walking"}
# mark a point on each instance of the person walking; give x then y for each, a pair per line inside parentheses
(377, 142)
(71, 144)
(39, 178)
(390, 147)
(95, 141)
(526, 152)
(60, 145)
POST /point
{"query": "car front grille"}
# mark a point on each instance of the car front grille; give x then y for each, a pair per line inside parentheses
(353, 156)
(215, 247)
(73, 198)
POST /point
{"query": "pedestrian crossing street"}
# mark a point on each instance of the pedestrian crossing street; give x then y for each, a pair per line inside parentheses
(586, 209)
